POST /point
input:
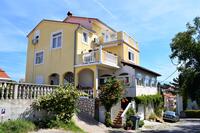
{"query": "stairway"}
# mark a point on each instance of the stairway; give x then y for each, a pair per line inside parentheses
(117, 123)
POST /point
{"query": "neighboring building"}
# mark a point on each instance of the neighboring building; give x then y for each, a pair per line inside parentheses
(169, 101)
(4, 76)
(86, 52)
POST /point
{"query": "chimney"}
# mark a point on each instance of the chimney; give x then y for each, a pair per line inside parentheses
(69, 14)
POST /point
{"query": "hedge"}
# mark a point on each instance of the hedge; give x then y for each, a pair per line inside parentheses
(192, 113)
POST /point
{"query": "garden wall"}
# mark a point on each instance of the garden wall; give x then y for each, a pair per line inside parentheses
(145, 113)
(14, 108)
(15, 100)
(87, 106)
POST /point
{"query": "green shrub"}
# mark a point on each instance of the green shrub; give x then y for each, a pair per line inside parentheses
(110, 93)
(152, 116)
(141, 123)
(157, 101)
(129, 113)
(70, 126)
(158, 111)
(108, 121)
(129, 123)
(61, 103)
(192, 113)
(16, 126)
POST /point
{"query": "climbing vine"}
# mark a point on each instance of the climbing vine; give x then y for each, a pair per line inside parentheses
(157, 101)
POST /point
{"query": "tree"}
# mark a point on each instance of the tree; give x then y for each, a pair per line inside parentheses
(185, 47)
(110, 94)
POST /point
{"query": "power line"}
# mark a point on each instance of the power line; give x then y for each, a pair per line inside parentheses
(172, 73)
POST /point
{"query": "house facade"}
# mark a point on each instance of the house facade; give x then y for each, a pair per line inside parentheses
(86, 52)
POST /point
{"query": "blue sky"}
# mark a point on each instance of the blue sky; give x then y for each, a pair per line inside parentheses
(153, 23)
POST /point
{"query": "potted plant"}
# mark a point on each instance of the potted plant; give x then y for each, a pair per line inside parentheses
(129, 125)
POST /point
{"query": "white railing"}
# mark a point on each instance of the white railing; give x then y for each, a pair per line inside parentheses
(109, 58)
(99, 56)
(123, 115)
(90, 57)
(89, 93)
(12, 90)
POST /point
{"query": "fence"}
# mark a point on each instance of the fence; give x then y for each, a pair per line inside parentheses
(12, 90)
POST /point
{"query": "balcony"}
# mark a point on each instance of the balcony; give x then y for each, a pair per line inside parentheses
(119, 37)
(98, 57)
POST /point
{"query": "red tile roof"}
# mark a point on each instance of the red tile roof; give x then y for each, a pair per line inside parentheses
(3, 74)
(169, 95)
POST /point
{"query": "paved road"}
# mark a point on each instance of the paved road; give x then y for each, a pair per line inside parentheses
(183, 126)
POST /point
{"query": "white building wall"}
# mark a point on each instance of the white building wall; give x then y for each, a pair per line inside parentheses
(144, 90)
(179, 104)
(130, 91)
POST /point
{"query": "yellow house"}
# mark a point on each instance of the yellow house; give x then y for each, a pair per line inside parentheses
(85, 51)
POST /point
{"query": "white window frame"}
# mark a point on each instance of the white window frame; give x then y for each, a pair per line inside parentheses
(53, 33)
(42, 51)
(139, 81)
(104, 78)
(123, 78)
(87, 37)
(132, 53)
(39, 79)
(147, 81)
(153, 82)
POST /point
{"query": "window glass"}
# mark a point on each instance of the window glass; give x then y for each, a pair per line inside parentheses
(39, 79)
(85, 37)
(39, 58)
(124, 77)
(56, 40)
(131, 55)
(139, 79)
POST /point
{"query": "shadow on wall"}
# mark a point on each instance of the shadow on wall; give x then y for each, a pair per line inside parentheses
(35, 115)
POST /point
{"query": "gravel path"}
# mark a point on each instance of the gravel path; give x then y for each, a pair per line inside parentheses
(88, 124)
(51, 131)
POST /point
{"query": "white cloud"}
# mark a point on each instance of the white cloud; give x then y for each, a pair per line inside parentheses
(104, 8)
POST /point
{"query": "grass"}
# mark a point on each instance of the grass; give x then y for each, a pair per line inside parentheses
(24, 126)
(16, 126)
(70, 126)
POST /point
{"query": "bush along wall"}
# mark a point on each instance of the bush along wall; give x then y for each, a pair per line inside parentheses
(157, 101)
(192, 113)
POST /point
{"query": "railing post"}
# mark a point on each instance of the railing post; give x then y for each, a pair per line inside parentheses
(100, 54)
(15, 91)
(2, 91)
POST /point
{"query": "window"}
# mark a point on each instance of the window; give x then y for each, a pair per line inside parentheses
(104, 78)
(39, 79)
(39, 57)
(147, 81)
(68, 78)
(85, 37)
(139, 79)
(124, 77)
(57, 40)
(153, 82)
(130, 55)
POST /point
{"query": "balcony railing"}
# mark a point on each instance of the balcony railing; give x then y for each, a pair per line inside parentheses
(120, 36)
(99, 56)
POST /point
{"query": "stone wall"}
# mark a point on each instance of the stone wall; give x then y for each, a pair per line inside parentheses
(16, 99)
(14, 108)
(86, 105)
